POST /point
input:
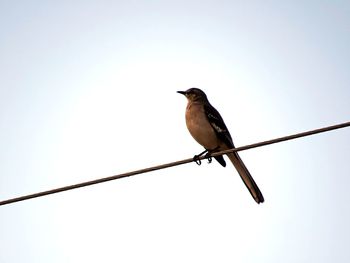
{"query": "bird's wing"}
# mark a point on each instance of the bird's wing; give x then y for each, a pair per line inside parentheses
(218, 125)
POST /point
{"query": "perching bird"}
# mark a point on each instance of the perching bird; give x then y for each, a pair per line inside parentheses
(208, 128)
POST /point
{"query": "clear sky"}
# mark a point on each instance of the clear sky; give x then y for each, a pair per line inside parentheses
(88, 90)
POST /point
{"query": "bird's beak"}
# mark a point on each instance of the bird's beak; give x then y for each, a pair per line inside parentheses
(182, 92)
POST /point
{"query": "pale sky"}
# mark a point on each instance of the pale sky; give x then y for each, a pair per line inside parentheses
(88, 90)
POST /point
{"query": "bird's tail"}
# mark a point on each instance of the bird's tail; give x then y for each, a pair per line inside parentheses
(246, 177)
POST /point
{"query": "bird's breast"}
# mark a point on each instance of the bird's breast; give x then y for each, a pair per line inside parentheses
(199, 127)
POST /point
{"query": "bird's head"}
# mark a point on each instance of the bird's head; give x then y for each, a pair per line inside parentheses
(194, 94)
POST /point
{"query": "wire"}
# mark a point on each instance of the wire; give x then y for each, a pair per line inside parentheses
(171, 164)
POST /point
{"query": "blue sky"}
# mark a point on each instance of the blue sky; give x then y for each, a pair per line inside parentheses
(88, 90)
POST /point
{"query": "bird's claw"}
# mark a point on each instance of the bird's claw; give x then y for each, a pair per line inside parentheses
(209, 159)
(196, 157)
(197, 160)
(208, 156)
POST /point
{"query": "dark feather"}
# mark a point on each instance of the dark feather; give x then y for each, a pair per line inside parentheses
(220, 160)
(218, 125)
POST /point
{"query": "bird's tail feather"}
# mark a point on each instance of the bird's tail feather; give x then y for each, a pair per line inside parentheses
(246, 177)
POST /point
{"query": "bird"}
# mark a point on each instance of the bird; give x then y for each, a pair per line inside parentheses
(208, 128)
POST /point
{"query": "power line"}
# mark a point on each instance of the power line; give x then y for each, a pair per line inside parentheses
(167, 165)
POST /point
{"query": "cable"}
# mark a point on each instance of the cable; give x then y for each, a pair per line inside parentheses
(171, 164)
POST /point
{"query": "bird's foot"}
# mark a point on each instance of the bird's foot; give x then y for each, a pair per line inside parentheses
(196, 159)
(197, 156)
(208, 156)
